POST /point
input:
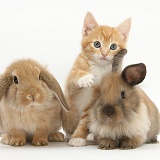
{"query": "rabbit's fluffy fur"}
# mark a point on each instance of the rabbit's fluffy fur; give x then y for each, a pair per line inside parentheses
(30, 105)
(124, 116)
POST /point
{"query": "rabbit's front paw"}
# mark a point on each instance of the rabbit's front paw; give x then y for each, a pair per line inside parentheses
(86, 81)
(77, 142)
(40, 142)
(5, 138)
(107, 144)
(128, 144)
(17, 141)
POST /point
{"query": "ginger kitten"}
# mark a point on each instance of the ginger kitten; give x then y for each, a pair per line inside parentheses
(99, 45)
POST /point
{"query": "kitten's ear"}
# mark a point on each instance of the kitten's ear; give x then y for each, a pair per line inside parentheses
(124, 28)
(89, 24)
(134, 74)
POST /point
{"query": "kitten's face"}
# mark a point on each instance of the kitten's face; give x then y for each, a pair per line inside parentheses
(102, 44)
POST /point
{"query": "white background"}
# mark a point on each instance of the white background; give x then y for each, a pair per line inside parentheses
(50, 32)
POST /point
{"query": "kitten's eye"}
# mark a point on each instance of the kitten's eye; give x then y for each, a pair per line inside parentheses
(39, 77)
(123, 96)
(113, 46)
(97, 44)
(15, 79)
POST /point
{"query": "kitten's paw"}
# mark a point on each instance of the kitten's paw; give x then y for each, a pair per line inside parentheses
(86, 81)
(77, 142)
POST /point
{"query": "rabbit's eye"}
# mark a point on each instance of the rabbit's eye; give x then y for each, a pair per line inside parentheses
(97, 44)
(39, 77)
(113, 46)
(123, 95)
(15, 79)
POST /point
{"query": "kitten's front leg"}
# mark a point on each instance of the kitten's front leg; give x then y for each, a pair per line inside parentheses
(86, 81)
(79, 78)
(78, 139)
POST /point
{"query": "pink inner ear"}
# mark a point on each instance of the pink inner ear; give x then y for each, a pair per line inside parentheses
(124, 28)
(129, 79)
(134, 74)
(133, 78)
(89, 24)
(87, 31)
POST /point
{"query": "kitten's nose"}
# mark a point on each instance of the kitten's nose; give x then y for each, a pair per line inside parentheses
(108, 110)
(104, 54)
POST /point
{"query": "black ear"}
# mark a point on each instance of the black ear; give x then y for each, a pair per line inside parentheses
(117, 60)
(134, 74)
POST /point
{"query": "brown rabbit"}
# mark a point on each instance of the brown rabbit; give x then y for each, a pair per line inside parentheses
(123, 116)
(30, 106)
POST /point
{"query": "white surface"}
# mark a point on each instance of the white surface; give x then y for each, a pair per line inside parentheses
(61, 151)
(50, 32)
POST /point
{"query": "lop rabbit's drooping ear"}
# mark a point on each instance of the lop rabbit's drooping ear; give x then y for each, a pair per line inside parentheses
(54, 85)
(5, 82)
(134, 74)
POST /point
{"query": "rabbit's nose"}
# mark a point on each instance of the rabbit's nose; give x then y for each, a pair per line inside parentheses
(108, 110)
(33, 94)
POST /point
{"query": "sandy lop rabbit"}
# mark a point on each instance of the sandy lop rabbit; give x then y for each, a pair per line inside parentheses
(123, 116)
(30, 106)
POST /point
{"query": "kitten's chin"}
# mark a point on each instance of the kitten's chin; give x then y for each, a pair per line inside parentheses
(104, 60)
(108, 58)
